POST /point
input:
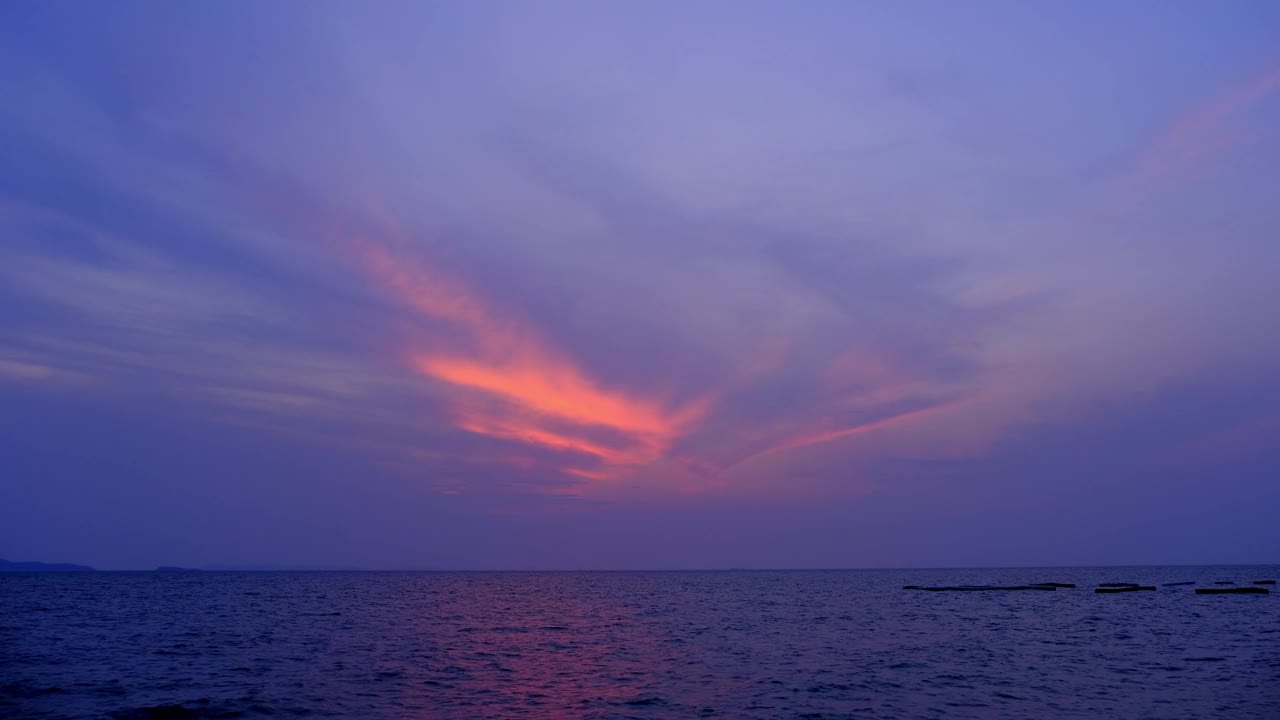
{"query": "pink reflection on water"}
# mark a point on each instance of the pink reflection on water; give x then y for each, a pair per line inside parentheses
(550, 651)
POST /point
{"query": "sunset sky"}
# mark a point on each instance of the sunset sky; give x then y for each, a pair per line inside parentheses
(639, 284)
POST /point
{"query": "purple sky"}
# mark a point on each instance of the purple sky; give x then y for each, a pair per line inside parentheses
(639, 285)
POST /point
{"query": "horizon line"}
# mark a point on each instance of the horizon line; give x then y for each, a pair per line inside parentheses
(302, 569)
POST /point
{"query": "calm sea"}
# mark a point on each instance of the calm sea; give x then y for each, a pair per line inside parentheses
(837, 644)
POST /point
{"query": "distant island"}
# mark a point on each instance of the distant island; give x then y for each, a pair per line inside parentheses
(268, 567)
(7, 566)
(31, 566)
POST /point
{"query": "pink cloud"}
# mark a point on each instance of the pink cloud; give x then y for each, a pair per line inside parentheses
(1201, 134)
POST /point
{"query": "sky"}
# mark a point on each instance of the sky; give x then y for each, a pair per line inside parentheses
(561, 285)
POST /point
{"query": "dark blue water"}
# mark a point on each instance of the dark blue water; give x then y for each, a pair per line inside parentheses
(840, 644)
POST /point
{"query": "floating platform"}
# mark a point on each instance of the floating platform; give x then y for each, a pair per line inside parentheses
(1055, 585)
(1233, 591)
(1264, 582)
(1123, 588)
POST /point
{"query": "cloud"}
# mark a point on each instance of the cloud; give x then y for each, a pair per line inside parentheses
(1201, 135)
(23, 371)
(830, 435)
(501, 253)
(536, 394)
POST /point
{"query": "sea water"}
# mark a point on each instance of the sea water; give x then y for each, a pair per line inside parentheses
(569, 645)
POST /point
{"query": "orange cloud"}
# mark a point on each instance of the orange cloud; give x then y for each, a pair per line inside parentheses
(434, 295)
(512, 384)
(550, 387)
(529, 432)
(534, 394)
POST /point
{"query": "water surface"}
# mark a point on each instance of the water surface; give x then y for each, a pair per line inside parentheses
(830, 644)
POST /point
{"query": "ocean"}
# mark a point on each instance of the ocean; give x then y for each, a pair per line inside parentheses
(652, 645)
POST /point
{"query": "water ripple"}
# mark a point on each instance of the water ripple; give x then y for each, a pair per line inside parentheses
(591, 646)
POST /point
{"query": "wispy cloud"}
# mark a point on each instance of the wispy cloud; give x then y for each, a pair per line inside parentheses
(28, 371)
(1201, 135)
(516, 387)
(840, 433)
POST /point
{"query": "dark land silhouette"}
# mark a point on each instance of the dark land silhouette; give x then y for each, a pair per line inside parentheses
(30, 566)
